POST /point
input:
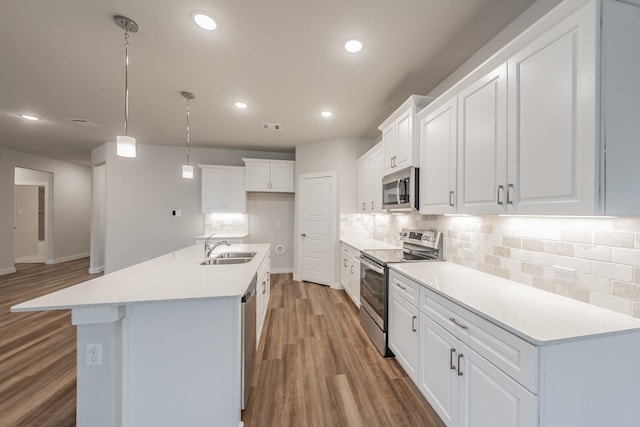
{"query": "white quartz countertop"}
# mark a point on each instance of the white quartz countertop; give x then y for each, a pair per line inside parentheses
(364, 244)
(537, 316)
(219, 236)
(175, 276)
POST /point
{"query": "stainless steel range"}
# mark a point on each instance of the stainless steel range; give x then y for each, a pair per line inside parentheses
(418, 245)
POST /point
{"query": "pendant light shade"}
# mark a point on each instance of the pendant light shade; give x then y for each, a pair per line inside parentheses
(187, 169)
(125, 144)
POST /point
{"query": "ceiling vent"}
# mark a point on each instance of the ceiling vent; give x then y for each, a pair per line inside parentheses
(271, 126)
(83, 122)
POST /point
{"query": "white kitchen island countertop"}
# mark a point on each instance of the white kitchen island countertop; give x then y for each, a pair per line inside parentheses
(218, 236)
(363, 244)
(535, 315)
(172, 277)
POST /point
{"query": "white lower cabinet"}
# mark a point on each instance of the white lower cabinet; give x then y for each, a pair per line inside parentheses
(434, 343)
(403, 333)
(263, 291)
(350, 272)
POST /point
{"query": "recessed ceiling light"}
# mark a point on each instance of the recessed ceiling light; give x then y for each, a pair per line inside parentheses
(205, 21)
(29, 117)
(353, 45)
(326, 114)
(240, 105)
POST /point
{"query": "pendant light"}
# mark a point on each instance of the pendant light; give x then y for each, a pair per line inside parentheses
(187, 169)
(125, 144)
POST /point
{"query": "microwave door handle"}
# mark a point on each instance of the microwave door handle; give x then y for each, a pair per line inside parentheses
(406, 190)
(398, 191)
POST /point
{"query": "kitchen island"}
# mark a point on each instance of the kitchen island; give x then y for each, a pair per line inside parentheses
(159, 343)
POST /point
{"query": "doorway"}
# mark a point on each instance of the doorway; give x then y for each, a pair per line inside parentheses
(317, 215)
(32, 242)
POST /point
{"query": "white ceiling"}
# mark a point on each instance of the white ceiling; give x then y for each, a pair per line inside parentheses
(65, 58)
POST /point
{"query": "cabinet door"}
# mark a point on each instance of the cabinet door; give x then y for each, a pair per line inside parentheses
(552, 114)
(235, 195)
(490, 398)
(403, 333)
(364, 185)
(438, 371)
(438, 138)
(390, 148)
(405, 141)
(377, 172)
(257, 176)
(355, 281)
(482, 145)
(345, 271)
(213, 190)
(281, 177)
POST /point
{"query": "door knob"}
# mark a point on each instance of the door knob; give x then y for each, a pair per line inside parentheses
(303, 234)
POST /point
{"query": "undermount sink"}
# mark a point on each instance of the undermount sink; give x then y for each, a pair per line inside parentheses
(229, 258)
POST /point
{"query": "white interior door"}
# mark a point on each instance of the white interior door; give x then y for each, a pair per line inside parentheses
(317, 225)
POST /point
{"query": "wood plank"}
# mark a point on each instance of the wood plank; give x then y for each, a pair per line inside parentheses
(38, 350)
(317, 367)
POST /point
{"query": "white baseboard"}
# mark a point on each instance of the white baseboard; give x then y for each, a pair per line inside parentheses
(30, 259)
(68, 258)
(96, 270)
(7, 270)
(281, 270)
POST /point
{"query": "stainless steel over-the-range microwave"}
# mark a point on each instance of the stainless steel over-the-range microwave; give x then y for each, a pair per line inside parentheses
(400, 190)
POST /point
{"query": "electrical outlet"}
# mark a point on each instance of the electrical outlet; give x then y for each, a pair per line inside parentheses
(564, 274)
(94, 354)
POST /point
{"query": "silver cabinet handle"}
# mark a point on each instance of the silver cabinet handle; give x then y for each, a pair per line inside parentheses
(264, 287)
(460, 356)
(509, 197)
(372, 205)
(451, 193)
(413, 324)
(351, 268)
(303, 234)
(344, 264)
(363, 206)
(452, 365)
(500, 191)
(458, 324)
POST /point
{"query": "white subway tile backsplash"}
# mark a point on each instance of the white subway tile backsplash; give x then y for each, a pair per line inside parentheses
(613, 271)
(610, 302)
(596, 251)
(626, 256)
(593, 252)
(622, 239)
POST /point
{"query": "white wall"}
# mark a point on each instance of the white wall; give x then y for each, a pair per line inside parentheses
(271, 220)
(340, 155)
(71, 206)
(141, 192)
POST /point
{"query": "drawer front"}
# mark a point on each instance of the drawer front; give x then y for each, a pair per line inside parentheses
(407, 288)
(514, 356)
(349, 251)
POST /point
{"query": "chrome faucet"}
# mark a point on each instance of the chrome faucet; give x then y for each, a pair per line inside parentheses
(210, 246)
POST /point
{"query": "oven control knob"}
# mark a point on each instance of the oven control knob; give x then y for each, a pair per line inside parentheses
(403, 234)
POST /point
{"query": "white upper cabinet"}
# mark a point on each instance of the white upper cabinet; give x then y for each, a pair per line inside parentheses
(438, 140)
(482, 145)
(400, 136)
(552, 140)
(552, 132)
(269, 175)
(223, 189)
(370, 180)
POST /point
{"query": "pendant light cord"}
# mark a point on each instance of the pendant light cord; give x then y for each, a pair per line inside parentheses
(188, 130)
(126, 82)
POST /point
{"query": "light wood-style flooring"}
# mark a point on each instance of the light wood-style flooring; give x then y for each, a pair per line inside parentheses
(317, 367)
(38, 350)
(315, 364)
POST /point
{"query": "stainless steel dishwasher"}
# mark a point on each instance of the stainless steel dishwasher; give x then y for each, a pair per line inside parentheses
(248, 338)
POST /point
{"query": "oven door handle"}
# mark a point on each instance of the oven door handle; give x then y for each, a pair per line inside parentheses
(375, 268)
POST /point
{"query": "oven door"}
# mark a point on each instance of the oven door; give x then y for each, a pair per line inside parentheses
(372, 290)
